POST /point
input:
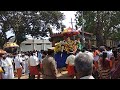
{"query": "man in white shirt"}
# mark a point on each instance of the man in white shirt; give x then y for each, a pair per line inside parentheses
(109, 53)
(26, 64)
(18, 65)
(5, 68)
(33, 64)
(70, 65)
(9, 61)
(70, 60)
(84, 65)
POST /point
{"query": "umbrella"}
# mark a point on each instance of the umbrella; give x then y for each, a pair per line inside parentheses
(10, 44)
(2, 51)
(70, 32)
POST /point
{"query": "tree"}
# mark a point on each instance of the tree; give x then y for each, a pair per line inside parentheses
(4, 27)
(41, 20)
(24, 23)
(103, 24)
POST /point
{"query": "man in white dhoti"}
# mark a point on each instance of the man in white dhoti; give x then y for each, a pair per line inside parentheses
(9, 61)
(5, 68)
(18, 65)
(26, 64)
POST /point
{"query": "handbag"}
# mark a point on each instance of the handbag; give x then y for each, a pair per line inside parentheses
(1, 70)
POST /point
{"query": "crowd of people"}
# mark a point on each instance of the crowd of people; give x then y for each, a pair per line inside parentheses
(105, 63)
(95, 63)
(30, 63)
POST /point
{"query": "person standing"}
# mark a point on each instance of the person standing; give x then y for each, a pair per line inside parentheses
(18, 65)
(115, 72)
(49, 66)
(109, 52)
(39, 56)
(5, 68)
(104, 66)
(96, 53)
(23, 62)
(33, 66)
(26, 64)
(84, 65)
(70, 65)
(9, 60)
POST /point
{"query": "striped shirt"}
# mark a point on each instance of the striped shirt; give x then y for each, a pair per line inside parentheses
(116, 73)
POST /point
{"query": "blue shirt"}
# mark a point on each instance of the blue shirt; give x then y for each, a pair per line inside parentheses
(39, 56)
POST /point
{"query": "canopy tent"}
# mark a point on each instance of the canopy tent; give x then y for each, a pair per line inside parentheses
(70, 32)
(10, 47)
(10, 44)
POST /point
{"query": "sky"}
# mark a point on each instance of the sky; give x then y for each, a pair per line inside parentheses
(68, 16)
(66, 21)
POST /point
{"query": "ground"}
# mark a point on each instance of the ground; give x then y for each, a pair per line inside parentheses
(62, 75)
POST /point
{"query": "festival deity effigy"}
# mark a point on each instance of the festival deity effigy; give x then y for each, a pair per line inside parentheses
(65, 46)
(67, 41)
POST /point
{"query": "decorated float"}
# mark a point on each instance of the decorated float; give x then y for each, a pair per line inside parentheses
(64, 43)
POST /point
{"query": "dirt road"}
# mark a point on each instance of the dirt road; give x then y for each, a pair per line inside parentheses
(62, 75)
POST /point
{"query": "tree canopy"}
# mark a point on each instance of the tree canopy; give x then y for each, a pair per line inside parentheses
(103, 24)
(22, 23)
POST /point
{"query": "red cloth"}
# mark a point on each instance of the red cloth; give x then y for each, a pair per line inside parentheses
(34, 70)
(19, 72)
(71, 70)
(40, 65)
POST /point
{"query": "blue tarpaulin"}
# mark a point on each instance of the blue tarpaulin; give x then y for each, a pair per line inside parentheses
(61, 59)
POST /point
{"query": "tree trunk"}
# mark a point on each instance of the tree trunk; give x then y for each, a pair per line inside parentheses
(98, 31)
(105, 40)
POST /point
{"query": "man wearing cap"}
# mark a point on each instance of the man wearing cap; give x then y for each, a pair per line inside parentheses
(49, 66)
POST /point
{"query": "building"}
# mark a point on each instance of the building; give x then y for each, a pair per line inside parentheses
(36, 44)
(109, 42)
(30, 45)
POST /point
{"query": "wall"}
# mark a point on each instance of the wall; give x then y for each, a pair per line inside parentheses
(38, 45)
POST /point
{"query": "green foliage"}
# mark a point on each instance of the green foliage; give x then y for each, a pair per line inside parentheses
(103, 24)
(24, 23)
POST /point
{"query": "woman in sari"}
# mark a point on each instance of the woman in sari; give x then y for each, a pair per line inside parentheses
(104, 66)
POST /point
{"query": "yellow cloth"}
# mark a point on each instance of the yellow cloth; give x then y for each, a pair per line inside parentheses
(1, 70)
